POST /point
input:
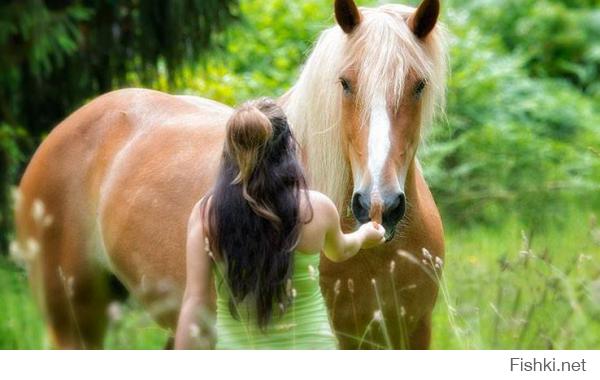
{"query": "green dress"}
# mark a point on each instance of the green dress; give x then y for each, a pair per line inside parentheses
(304, 325)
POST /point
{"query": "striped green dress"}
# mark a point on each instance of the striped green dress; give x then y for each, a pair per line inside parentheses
(304, 325)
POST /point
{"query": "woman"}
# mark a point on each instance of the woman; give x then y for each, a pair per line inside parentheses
(255, 243)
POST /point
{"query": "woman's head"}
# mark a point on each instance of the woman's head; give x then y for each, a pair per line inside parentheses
(254, 220)
(258, 143)
(248, 131)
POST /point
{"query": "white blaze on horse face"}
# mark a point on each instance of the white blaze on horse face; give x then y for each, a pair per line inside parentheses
(379, 141)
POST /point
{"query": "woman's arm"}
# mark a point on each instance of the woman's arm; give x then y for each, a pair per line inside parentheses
(339, 246)
(196, 318)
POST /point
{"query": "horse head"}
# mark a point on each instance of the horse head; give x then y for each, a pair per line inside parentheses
(388, 78)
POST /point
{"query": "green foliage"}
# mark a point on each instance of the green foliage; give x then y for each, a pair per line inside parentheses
(12, 144)
(54, 55)
(557, 38)
(509, 289)
(58, 54)
(45, 37)
(21, 325)
(262, 55)
(510, 141)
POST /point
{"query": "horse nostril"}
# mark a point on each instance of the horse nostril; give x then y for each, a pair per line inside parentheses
(395, 209)
(360, 207)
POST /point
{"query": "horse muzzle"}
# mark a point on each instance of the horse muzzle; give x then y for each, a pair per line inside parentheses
(387, 211)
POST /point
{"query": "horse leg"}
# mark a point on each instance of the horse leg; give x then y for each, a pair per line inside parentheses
(73, 289)
(420, 337)
(170, 343)
(77, 320)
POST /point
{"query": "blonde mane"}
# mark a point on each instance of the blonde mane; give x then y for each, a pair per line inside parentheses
(383, 51)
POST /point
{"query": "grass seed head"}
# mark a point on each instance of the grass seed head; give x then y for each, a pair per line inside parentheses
(115, 311)
(426, 254)
(337, 286)
(378, 316)
(351, 285)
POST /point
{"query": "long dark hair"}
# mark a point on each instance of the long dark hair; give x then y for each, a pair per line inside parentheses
(254, 219)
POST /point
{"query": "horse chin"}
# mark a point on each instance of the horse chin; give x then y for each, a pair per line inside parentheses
(390, 232)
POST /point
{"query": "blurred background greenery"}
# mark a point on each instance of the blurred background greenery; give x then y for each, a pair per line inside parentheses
(514, 164)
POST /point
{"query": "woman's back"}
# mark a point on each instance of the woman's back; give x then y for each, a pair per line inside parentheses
(303, 325)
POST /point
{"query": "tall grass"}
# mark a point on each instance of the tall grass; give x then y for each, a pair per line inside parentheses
(22, 327)
(20, 321)
(522, 287)
(510, 286)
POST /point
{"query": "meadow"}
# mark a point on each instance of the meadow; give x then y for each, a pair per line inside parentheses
(502, 288)
(513, 163)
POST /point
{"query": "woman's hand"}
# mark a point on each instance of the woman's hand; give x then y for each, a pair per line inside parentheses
(373, 234)
(339, 246)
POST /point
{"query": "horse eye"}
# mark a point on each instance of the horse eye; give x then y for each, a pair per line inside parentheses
(420, 87)
(346, 86)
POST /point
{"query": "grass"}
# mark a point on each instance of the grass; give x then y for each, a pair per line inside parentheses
(505, 287)
(20, 321)
(21, 325)
(512, 287)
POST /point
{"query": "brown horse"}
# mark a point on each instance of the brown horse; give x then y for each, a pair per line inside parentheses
(107, 195)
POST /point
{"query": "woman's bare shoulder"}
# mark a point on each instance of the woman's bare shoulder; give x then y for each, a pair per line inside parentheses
(322, 206)
(318, 199)
(321, 214)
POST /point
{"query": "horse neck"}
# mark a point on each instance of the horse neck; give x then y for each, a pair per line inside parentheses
(411, 182)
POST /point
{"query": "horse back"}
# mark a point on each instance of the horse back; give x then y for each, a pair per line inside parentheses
(111, 187)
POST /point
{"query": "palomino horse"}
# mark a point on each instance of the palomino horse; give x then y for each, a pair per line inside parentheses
(107, 195)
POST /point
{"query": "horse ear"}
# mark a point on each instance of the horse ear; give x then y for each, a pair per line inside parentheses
(347, 15)
(423, 20)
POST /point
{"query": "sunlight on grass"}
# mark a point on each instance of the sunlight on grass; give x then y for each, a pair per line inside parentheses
(514, 289)
(502, 288)
(21, 325)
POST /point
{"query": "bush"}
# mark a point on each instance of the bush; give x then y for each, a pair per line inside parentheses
(12, 141)
(511, 142)
(557, 38)
(262, 55)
